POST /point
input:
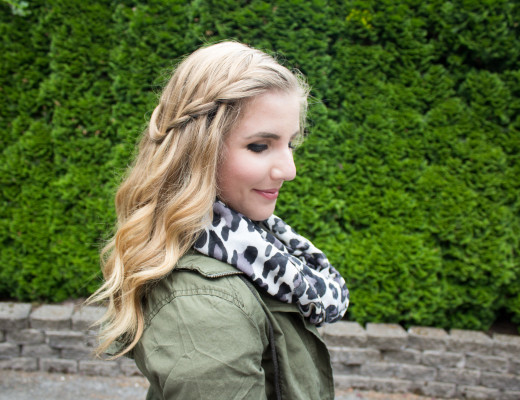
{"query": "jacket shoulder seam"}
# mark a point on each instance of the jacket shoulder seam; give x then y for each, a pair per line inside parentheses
(202, 291)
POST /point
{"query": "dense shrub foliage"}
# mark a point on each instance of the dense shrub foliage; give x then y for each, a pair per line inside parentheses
(409, 178)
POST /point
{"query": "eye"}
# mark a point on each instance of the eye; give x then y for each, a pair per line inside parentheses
(292, 146)
(256, 147)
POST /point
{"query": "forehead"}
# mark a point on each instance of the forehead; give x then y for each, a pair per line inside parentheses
(273, 112)
(272, 97)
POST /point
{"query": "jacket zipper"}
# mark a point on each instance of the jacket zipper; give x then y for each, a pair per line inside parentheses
(222, 274)
(212, 276)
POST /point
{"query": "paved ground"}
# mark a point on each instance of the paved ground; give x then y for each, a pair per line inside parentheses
(43, 386)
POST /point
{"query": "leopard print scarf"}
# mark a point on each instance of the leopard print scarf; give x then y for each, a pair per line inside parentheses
(278, 260)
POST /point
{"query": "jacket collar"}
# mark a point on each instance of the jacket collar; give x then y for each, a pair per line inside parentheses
(206, 266)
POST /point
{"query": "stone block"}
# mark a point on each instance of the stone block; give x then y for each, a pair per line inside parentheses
(442, 359)
(129, 368)
(26, 336)
(9, 350)
(66, 339)
(463, 341)
(514, 366)
(486, 363)
(405, 356)
(508, 395)
(477, 393)
(506, 345)
(351, 381)
(500, 381)
(59, 365)
(78, 353)
(99, 368)
(20, 364)
(348, 334)
(386, 336)
(86, 317)
(350, 356)
(381, 370)
(424, 338)
(2, 336)
(346, 369)
(91, 338)
(458, 376)
(417, 373)
(39, 350)
(53, 317)
(14, 316)
(390, 385)
(435, 389)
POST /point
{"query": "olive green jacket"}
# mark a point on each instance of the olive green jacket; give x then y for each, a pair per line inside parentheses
(208, 335)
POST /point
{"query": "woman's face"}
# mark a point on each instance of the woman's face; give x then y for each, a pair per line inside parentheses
(258, 155)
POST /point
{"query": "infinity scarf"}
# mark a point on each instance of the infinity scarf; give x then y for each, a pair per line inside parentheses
(278, 260)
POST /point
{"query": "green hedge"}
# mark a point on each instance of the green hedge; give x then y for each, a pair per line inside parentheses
(408, 179)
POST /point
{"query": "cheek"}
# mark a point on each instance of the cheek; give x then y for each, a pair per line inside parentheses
(247, 170)
(238, 173)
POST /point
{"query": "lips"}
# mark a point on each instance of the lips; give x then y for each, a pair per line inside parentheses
(269, 194)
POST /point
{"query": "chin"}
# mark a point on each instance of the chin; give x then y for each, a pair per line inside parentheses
(261, 215)
(255, 212)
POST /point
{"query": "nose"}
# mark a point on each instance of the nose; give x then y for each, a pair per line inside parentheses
(283, 167)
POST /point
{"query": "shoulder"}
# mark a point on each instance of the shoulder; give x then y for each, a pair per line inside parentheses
(201, 283)
(202, 323)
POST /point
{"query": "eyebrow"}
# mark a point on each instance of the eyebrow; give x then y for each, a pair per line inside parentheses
(269, 135)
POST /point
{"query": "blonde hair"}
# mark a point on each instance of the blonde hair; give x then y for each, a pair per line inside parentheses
(167, 197)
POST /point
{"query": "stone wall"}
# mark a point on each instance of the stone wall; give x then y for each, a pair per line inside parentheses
(54, 338)
(427, 361)
(382, 357)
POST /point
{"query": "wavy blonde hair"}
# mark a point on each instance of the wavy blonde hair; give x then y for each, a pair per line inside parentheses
(167, 197)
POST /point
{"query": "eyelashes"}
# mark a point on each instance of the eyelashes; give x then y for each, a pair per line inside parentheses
(258, 148)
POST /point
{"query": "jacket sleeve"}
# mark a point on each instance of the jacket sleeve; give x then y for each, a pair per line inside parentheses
(204, 345)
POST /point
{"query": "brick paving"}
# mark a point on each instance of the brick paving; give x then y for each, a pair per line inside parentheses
(19, 385)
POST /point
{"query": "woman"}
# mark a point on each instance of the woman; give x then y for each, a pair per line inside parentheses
(210, 293)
